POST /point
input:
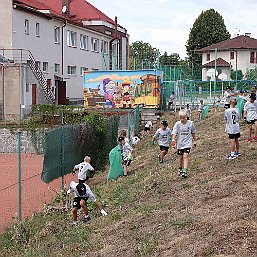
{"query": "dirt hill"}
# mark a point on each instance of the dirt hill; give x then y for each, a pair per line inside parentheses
(153, 212)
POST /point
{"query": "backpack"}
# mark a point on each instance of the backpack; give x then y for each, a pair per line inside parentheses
(81, 190)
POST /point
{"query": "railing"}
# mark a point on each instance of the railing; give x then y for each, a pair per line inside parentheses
(21, 56)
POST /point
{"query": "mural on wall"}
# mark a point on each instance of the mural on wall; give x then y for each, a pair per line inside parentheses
(122, 89)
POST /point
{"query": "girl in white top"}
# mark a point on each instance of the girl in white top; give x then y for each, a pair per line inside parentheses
(250, 116)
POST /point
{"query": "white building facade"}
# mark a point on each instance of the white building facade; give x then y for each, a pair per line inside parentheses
(61, 47)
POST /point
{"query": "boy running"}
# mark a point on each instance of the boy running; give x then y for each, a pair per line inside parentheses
(188, 111)
(82, 194)
(250, 115)
(200, 109)
(232, 117)
(227, 96)
(163, 136)
(147, 128)
(126, 154)
(182, 135)
(83, 169)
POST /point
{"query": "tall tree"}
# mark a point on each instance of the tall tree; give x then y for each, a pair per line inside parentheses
(172, 59)
(143, 55)
(209, 28)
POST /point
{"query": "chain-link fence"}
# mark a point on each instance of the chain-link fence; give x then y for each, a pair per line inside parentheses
(40, 152)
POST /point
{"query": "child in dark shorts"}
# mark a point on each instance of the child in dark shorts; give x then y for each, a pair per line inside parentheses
(82, 194)
(182, 135)
(163, 135)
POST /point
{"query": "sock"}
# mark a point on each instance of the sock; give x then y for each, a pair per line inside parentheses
(186, 170)
(86, 216)
(232, 153)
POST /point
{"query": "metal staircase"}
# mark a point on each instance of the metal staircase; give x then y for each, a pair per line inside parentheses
(41, 78)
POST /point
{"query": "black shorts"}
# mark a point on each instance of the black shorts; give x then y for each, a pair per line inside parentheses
(164, 148)
(76, 202)
(182, 151)
(126, 162)
(251, 122)
(226, 106)
(146, 129)
(233, 136)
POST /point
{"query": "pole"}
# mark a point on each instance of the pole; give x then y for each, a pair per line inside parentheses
(222, 87)
(62, 150)
(210, 89)
(215, 68)
(129, 125)
(19, 175)
(236, 71)
(2, 90)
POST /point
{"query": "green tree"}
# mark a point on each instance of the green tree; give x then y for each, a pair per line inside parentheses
(143, 56)
(173, 59)
(209, 28)
(238, 76)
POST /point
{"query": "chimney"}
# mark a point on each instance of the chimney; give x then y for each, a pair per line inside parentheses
(248, 34)
(66, 7)
(116, 27)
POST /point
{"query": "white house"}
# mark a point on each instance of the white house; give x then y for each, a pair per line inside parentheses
(237, 53)
(57, 40)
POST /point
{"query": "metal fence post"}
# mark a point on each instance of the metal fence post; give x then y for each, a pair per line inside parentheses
(137, 120)
(19, 175)
(129, 121)
(62, 150)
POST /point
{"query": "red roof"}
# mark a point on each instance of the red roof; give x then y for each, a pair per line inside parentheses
(79, 9)
(240, 42)
(219, 63)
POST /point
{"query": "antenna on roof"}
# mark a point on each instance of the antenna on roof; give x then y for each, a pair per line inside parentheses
(237, 32)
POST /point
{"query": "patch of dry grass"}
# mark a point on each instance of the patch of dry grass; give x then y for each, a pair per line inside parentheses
(153, 212)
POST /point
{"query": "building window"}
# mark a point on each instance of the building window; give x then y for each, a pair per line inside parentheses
(232, 55)
(71, 38)
(27, 88)
(45, 66)
(37, 30)
(57, 68)
(71, 70)
(95, 45)
(252, 57)
(95, 69)
(104, 47)
(208, 57)
(57, 33)
(83, 42)
(37, 64)
(82, 70)
(27, 27)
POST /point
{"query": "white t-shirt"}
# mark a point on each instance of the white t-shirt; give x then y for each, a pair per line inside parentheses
(163, 136)
(184, 134)
(251, 111)
(227, 97)
(89, 193)
(126, 149)
(84, 169)
(232, 117)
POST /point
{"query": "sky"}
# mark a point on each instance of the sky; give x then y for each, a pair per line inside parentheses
(165, 24)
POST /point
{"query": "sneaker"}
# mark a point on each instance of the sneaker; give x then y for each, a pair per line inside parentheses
(180, 171)
(184, 173)
(237, 154)
(160, 160)
(231, 157)
(250, 140)
(255, 138)
(86, 219)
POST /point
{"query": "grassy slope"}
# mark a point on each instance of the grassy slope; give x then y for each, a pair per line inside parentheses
(154, 212)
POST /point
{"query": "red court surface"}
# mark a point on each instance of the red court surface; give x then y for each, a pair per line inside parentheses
(34, 192)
